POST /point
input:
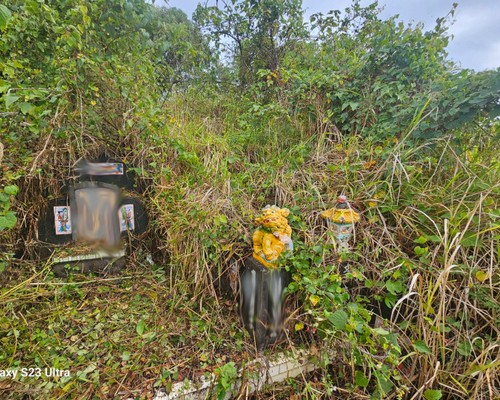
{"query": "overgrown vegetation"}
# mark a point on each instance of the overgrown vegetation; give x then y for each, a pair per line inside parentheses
(367, 107)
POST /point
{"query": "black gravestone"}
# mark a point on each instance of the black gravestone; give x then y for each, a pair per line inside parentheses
(93, 210)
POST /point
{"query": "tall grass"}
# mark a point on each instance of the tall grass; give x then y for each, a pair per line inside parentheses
(428, 245)
(428, 213)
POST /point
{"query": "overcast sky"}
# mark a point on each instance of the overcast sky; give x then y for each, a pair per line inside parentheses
(476, 30)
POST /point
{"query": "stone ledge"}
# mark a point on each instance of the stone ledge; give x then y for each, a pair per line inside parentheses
(251, 378)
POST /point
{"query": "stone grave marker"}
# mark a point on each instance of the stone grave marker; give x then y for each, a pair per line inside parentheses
(84, 229)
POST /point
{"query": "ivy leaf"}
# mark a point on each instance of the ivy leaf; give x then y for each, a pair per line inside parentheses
(339, 319)
(432, 394)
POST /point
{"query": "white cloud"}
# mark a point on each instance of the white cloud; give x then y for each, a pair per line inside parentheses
(476, 36)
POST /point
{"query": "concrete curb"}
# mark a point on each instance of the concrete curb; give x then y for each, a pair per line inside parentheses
(252, 377)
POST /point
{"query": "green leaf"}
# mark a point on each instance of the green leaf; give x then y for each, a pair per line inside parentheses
(381, 331)
(26, 108)
(421, 240)
(421, 347)
(90, 368)
(11, 190)
(390, 300)
(482, 276)
(3, 264)
(385, 385)
(5, 200)
(140, 327)
(220, 220)
(227, 375)
(8, 220)
(10, 99)
(470, 240)
(421, 251)
(394, 287)
(432, 394)
(464, 348)
(5, 15)
(361, 379)
(299, 326)
(4, 86)
(339, 319)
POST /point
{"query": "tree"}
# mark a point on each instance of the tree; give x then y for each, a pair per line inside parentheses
(260, 32)
(382, 78)
(73, 76)
(182, 51)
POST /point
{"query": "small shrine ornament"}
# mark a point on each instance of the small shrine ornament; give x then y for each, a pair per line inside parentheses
(273, 236)
(342, 218)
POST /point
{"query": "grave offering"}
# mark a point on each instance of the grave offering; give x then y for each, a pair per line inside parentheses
(342, 218)
(262, 282)
(84, 229)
